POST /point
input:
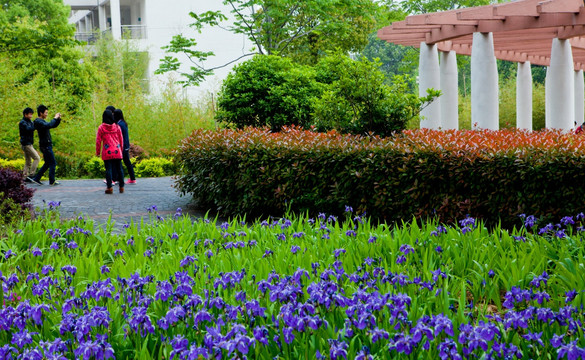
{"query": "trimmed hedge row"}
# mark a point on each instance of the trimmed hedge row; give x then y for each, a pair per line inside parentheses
(492, 175)
(93, 167)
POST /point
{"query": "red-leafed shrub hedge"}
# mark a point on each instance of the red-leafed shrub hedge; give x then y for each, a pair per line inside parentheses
(493, 175)
(14, 196)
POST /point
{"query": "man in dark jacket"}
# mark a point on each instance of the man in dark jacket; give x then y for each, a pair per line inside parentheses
(119, 119)
(27, 138)
(45, 144)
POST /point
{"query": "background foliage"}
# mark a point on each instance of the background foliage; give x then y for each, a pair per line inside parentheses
(339, 93)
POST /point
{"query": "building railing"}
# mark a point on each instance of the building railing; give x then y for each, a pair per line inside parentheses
(88, 37)
(133, 31)
(130, 32)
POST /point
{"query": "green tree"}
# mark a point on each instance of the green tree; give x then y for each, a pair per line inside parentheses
(35, 35)
(301, 30)
(358, 101)
(40, 25)
(268, 90)
(412, 7)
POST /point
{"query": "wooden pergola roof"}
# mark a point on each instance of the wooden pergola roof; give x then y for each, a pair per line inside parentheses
(522, 30)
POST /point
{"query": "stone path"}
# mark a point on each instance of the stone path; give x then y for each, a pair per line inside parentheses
(87, 197)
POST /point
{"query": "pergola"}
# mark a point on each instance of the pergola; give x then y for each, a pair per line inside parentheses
(549, 33)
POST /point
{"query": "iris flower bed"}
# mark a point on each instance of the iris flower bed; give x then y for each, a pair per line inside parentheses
(294, 287)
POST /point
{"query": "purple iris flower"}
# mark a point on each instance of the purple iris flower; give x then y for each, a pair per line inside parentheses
(570, 296)
(22, 338)
(534, 337)
(188, 260)
(8, 254)
(261, 335)
(557, 340)
(288, 334)
(529, 221)
(70, 269)
(47, 269)
(294, 249)
(406, 249)
(571, 351)
(71, 245)
(338, 252)
(337, 349)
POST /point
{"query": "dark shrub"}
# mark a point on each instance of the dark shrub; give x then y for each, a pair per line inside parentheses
(14, 196)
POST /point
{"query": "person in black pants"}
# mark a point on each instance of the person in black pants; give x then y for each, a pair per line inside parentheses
(43, 128)
(26, 129)
(119, 119)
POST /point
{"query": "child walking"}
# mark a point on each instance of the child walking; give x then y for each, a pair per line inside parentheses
(110, 136)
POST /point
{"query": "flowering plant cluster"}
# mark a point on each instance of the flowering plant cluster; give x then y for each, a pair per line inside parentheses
(294, 288)
(493, 175)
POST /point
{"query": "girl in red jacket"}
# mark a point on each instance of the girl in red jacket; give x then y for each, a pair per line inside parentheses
(110, 135)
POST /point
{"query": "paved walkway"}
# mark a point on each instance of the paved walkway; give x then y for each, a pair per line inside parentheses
(87, 197)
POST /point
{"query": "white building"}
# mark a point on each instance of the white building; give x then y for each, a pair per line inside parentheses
(151, 24)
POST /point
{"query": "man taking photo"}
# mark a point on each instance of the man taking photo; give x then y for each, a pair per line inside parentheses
(45, 144)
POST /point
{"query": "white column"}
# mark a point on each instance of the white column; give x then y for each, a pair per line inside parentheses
(449, 87)
(547, 97)
(116, 20)
(429, 77)
(561, 87)
(579, 98)
(524, 96)
(484, 83)
(88, 23)
(102, 18)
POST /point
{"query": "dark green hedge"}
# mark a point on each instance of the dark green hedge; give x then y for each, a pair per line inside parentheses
(256, 172)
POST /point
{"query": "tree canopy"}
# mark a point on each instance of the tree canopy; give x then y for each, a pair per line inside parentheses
(35, 36)
(301, 30)
(39, 25)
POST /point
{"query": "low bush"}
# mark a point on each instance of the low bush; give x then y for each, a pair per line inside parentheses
(155, 167)
(14, 196)
(495, 175)
(17, 164)
(94, 167)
